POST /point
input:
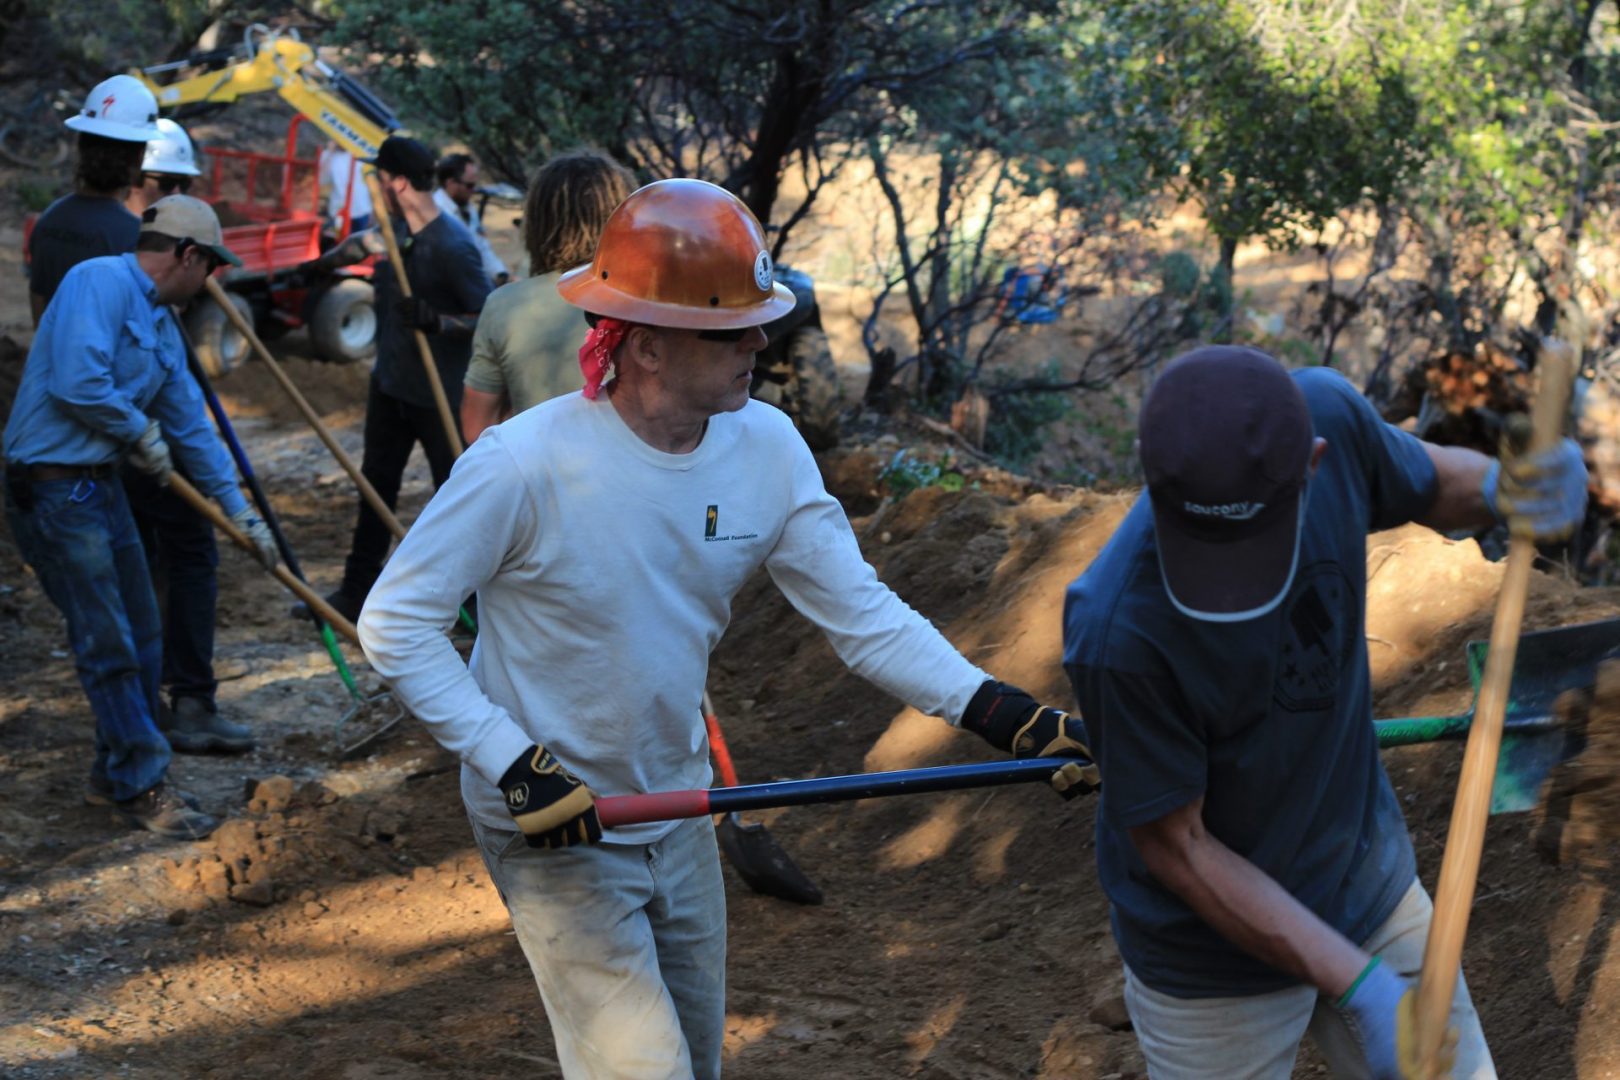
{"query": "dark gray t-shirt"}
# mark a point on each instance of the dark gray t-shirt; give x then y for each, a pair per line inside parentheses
(445, 270)
(72, 229)
(1270, 719)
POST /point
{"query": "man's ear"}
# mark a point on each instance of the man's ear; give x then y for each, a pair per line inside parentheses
(643, 348)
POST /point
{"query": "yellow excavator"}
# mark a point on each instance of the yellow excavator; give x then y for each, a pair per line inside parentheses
(272, 204)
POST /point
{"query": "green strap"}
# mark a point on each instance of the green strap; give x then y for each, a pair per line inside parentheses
(1344, 999)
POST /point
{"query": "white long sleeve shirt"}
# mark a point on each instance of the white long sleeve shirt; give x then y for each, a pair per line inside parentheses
(605, 571)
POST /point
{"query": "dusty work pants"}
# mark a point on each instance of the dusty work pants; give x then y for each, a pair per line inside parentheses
(628, 945)
(1257, 1038)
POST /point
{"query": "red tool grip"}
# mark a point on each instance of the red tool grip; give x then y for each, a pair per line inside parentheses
(616, 810)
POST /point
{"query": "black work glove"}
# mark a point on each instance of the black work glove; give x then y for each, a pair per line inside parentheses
(1009, 719)
(417, 314)
(549, 804)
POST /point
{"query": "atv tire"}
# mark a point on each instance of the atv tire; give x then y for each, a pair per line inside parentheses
(343, 326)
(812, 395)
(219, 345)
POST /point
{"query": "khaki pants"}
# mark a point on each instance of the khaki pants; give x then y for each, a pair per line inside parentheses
(627, 943)
(1257, 1038)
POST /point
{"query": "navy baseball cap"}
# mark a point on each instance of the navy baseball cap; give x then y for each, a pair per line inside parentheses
(1225, 443)
(404, 156)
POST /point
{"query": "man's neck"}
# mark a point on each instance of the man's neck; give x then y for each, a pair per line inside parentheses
(673, 431)
(419, 208)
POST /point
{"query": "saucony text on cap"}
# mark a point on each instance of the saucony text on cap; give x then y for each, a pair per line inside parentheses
(1225, 443)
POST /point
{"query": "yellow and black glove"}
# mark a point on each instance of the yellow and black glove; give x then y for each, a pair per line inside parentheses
(1009, 719)
(550, 806)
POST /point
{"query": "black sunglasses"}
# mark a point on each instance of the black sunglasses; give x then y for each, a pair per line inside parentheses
(170, 184)
(731, 336)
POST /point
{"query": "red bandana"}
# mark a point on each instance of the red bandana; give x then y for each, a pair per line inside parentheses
(596, 355)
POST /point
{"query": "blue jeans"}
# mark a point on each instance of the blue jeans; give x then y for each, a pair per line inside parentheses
(80, 538)
(183, 561)
(628, 945)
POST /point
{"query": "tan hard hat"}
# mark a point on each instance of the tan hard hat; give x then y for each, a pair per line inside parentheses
(685, 254)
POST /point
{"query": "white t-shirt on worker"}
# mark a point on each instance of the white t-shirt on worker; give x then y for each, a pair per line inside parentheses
(605, 571)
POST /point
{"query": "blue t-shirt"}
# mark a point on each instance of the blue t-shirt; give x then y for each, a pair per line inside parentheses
(1270, 720)
(72, 229)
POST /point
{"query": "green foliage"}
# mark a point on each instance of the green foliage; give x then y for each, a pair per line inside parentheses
(1019, 422)
(907, 471)
(36, 195)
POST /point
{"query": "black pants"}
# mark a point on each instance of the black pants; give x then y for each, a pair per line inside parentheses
(184, 563)
(393, 428)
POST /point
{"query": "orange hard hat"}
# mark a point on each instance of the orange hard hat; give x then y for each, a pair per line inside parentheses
(685, 254)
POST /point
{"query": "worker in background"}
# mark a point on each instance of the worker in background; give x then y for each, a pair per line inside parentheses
(342, 185)
(181, 550)
(458, 183)
(118, 119)
(448, 290)
(606, 533)
(169, 166)
(525, 348)
(106, 379)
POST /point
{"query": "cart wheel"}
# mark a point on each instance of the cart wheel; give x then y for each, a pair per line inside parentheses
(343, 327)
(220, 346)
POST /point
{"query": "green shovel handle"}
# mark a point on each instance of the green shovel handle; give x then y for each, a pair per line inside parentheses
(1422, 729)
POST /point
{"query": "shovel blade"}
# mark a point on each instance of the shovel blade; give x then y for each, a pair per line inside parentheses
(760, 861)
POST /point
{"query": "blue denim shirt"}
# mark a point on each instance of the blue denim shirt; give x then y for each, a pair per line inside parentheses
(106, 356)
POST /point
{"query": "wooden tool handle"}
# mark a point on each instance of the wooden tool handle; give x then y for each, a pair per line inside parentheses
(302, 404)
(391, 242)
(1459, 868)
(206, 507)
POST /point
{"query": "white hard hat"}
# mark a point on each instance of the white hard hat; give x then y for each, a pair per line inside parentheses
(170, 153)
(119, 108)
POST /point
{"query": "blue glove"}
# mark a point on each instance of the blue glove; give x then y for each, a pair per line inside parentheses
(1544, 493)
(1380, 1009)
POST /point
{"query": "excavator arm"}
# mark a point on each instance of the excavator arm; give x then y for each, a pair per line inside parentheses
(344, 110)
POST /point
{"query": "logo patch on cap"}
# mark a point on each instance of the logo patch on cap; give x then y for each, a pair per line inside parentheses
(1234, 511)
(762, 271)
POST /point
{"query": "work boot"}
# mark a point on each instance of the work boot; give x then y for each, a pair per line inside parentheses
(160, 809)
(99, 792)
(197, 729)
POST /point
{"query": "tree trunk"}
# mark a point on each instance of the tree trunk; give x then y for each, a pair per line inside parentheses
(1224, 299)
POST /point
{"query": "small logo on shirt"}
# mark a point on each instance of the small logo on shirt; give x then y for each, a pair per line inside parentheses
(711, 528)
(1235, 511)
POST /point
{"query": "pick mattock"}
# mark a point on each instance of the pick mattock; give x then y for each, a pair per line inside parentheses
(1459, 869)
(302, 404)
(752, 851)
(204, 506)
(367, 491)
(386, 227)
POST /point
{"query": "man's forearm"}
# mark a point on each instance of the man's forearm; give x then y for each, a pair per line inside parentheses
(480, 410)
(1459, 489)
(1250, 909)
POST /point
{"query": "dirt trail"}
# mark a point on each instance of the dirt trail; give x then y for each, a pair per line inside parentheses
(964, 936)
